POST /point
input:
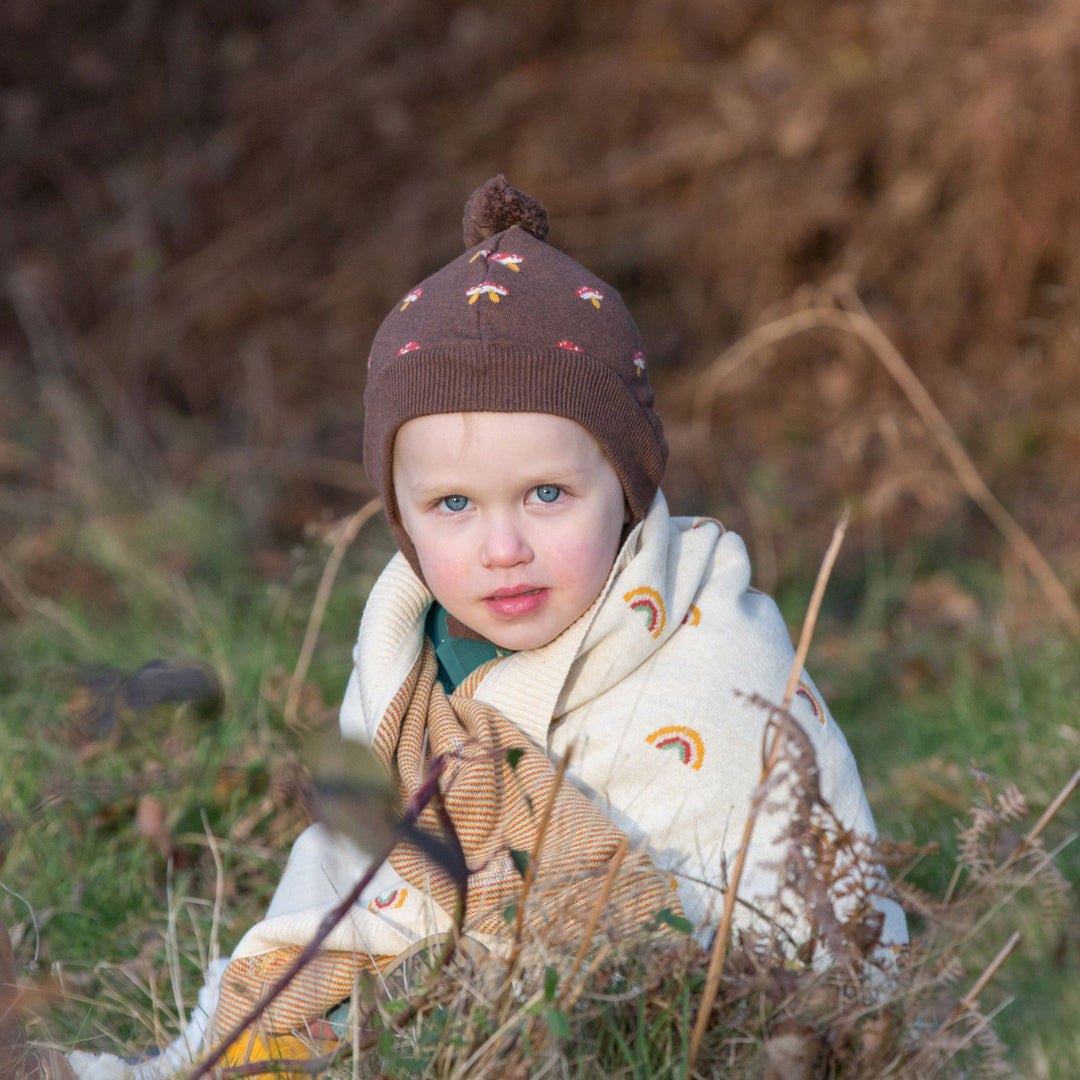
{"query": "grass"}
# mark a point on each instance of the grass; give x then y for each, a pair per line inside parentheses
(925, 704)
(178, 586)
(932, 711)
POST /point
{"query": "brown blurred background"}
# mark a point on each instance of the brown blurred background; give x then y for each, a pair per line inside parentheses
(207, 206)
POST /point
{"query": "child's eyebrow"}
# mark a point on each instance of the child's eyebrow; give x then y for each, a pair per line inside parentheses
(428, 490)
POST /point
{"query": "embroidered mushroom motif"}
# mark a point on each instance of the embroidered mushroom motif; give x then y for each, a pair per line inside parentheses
(639, 362)
(483, 253)
(411, 297)
(511, 262)
(589, 292)
(409, 346)
(566, 343)
(493, 291)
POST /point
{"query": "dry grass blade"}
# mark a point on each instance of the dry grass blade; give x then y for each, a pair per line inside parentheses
(813, 609)
(22, 600)
(530, 870)
(1047, 816)
(862, 326)
(345, 537)
(594, 917)
(723, 934)
(967, 1002)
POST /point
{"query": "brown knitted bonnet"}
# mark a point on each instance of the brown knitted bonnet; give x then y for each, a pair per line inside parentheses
(513, 325)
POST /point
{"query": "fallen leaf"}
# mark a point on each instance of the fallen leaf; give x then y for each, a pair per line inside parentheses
(150, 822)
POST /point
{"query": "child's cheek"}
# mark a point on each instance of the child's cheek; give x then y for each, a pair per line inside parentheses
(583, 559)
(444, 569)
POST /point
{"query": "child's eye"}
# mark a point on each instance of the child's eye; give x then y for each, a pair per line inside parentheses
(454, 503)
(548, 493)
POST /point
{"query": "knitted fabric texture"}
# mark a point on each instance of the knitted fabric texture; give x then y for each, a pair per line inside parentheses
(514, 325)
(653, 689)
(495, 808)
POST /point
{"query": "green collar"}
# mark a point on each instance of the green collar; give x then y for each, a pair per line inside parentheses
(458, 657)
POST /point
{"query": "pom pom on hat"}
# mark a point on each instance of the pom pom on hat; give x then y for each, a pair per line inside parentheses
(496, 206)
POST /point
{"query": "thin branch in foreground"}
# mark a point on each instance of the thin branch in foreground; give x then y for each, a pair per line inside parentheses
(967, 1002)
(534, 859)
(428, 790)
(594, 916)
(345, 537)
(723, 934)
(1047, 816)
(859, 324)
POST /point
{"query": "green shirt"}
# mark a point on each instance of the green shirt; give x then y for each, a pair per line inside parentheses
(458, 657)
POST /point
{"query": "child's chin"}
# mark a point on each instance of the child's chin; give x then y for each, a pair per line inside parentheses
(522, 638)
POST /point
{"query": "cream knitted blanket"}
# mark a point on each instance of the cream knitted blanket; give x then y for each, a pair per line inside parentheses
(502, 796)
(652, 689)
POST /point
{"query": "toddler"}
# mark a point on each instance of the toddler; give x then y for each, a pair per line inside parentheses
(544, 603)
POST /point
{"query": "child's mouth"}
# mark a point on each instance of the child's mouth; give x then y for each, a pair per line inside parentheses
(523, 600)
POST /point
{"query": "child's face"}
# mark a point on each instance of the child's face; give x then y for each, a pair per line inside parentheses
(515, 517)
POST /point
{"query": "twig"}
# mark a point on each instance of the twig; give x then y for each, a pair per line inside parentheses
(594, 916)
(426, 792)
(534, 858)
(219, 891)
(1048, 814)
(862, 326)
(813, 609)
(172, 951)
(720, 943)
(967, 1002)
(344, 538)
(33, 919)
(504, 1028)
(602, 954)
(317, 1066)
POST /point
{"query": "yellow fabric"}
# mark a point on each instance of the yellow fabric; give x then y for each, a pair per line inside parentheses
(496, 807)
(257, 1045)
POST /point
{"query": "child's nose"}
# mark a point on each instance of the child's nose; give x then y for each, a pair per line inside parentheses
(505, 545)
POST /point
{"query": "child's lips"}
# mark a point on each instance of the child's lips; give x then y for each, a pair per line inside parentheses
(520, 600)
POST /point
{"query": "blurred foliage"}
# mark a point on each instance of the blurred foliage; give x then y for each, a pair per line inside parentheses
(210, 206)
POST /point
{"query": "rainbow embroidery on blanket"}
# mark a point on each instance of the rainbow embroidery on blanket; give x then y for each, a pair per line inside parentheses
(384, 903)
(684, 741)
(647, 602)
(693, 616)
(698, 522)
(815, 705)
